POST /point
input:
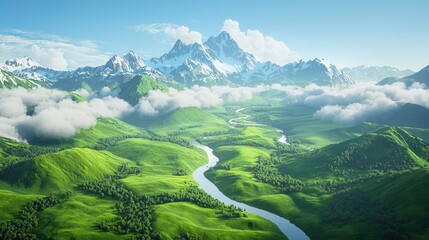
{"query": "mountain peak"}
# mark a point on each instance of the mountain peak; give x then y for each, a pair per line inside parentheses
(134, 60)
(230, 53)
(225, 35)
(118, 64)
(20, 63)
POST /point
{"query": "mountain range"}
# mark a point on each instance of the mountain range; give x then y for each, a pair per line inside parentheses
(421, 77)
(218, 61)
(374, 73)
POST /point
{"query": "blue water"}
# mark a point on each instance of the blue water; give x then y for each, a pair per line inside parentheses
(291, 231)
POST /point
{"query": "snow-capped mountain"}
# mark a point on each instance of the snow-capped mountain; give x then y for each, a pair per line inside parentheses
(318, 71)
(19, 64)
(188, 63)
(215, 61)
(232, 59)
(116, 69)
(421, 77)
(218, 61)
(134, 61)
(28, 68)
(10, 80)
(220, 58)
(374, 73)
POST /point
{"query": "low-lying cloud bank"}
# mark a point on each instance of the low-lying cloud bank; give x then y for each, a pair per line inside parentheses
(158, 102)
(45, 114)
(356, 103)
(51, 114)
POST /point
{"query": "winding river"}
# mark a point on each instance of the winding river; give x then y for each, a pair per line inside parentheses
(288, 229)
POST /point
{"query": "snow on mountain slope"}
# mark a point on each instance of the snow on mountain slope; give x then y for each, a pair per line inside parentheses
(19, 64)
(9, 80)
(217, 61)
(231, 57)
(374, 73)
(220, 57)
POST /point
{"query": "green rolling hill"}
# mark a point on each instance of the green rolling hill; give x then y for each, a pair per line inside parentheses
(62, 170)
(139, 86)
(369, 187)
(383, 170)
(385, 149)
(187, 122)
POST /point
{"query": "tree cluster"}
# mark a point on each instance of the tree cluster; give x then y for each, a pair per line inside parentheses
(378, 154)
(220, 132)
(22, 226)
(354, 204)
(197, 196)
(266, 171)
(180, 172)
(106, 143)
(135, 214)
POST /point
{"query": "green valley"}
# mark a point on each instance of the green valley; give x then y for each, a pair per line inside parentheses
(214, 120)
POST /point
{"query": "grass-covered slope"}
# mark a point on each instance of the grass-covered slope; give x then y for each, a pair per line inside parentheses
(408, 195)
(10, 80)
(11, 202)
(209, 224)
(159, 161)
(388, 148)
(298, 123)
(372, 186)
(188, 122)
(10, 148)
(105, 128)
(77, 218)
(139, 86)
(62, 170)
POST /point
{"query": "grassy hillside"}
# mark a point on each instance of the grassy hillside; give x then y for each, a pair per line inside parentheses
(105, 128)
(62, 170)
(298, 123)
(385, 171)
(77, 218)
(11, 202)
(10, 80)
(386, 149)
(238, 179)
(407, 194)
(209, 224)
(159, 161)
(139, 86)
(10, 148)
(77, 98)
(188, 122)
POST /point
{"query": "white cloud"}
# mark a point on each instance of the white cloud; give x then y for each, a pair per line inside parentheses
(50, 50)
(173, 31)
(357, 103)
(55, 115)
(264, 48)
(158, 102)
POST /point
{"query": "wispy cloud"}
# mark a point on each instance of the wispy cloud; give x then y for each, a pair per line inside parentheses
(49, 50)
(264, 48)
(172, 31)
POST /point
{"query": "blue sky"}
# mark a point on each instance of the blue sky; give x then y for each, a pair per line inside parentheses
(67, 34)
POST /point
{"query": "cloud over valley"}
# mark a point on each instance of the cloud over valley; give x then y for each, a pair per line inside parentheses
(44, 114)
